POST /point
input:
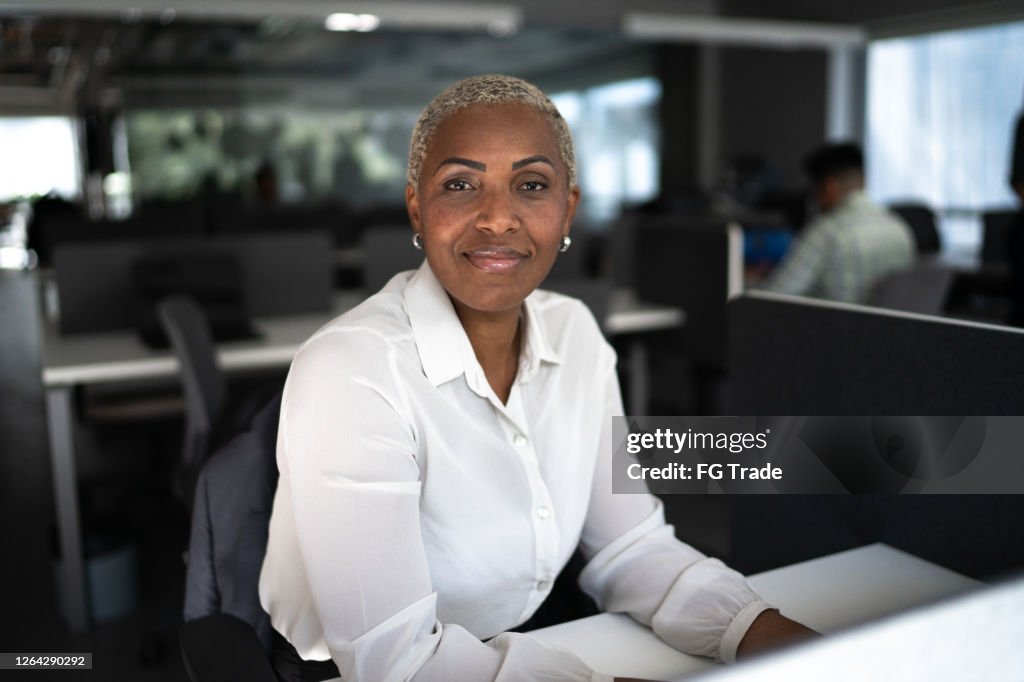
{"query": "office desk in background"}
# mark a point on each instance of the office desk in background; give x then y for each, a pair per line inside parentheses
(827, 594)
(119, 357)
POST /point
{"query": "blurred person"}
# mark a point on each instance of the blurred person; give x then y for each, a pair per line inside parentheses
(851, 244)
(445, 447)
(265, 184)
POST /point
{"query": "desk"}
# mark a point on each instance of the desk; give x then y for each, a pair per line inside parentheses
(828, 594)
(108, 358)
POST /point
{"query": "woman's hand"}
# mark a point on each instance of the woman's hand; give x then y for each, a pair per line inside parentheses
(771, 630)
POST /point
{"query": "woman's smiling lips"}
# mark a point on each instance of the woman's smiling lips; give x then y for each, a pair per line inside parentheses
(495, 258)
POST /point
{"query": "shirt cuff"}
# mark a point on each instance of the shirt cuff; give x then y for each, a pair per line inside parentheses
(734, 634)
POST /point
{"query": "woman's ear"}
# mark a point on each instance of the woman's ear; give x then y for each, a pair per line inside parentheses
(573, 201)
(412, 207)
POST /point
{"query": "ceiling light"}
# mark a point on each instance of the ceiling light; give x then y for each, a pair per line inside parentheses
(344, 21)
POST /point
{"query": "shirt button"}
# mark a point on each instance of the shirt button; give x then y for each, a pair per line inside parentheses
(543, 586)
(519, 441)
(543, 512)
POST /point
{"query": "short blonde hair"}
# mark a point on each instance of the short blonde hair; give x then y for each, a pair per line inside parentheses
(493, 89)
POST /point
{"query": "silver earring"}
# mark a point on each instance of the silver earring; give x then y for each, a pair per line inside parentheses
(566, 243)
(417, 240)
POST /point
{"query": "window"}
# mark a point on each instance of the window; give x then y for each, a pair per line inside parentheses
(941, 111)
(615, 130)
(39, 157)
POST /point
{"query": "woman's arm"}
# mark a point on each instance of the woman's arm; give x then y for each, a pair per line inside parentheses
(637, 566)
(350, 498)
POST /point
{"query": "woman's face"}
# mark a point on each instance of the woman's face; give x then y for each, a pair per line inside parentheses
(492, 205)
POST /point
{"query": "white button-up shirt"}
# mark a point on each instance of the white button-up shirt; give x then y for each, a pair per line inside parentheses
(417, 515)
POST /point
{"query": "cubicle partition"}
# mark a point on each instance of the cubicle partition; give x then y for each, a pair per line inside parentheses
(281, 274)
(696, 265)
(796, 356)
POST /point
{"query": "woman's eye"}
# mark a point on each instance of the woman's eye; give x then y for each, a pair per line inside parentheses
(534, 186)
(457, 185)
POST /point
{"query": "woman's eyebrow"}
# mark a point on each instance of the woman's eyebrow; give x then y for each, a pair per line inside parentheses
(476, 165)
(540, 158)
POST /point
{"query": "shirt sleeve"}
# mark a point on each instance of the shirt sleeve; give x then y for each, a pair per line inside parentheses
(349, 460)
(637, 566)
(802, 269)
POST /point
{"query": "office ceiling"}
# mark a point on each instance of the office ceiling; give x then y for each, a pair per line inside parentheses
(67, 52)
(212, 46)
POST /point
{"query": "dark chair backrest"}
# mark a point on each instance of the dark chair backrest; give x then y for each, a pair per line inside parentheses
(922, 288)
(995, 236)
(204, 384)
(230, 521)
(921, 220)
(220, 648)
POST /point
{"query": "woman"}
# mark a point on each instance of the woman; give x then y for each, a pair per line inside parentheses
(445, 446)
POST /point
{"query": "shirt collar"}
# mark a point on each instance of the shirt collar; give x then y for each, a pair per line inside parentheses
(536, 348)
(854, 198)
(442, 344)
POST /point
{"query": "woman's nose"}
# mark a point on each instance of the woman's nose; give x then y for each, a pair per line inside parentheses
(497, 212)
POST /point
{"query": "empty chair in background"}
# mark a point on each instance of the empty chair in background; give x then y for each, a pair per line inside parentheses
(995, 237)
(922, 288)
(921, 221)
(203, 382)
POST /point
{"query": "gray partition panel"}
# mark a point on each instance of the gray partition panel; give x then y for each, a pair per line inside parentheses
(791, 356)
(284, 273)
(687, 263)
(389, 251)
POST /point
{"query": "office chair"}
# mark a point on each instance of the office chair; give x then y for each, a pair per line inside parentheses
(223, 648)
(203, 381)
(234, 496)
(921, 220)
(922, 288)
(995, 239)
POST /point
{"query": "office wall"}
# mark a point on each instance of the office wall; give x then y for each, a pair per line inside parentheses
(839, 10)
(773, 105)
(676, 67)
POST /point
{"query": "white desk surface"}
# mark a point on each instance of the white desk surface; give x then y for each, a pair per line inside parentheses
(827, 594)
(120, 356)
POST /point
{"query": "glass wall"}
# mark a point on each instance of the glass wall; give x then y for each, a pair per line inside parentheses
(615, 128)
(355, 156)
(39, 157)
(941, 111)
(359, 156)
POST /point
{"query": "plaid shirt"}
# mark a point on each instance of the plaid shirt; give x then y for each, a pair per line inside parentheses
(842, 253)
